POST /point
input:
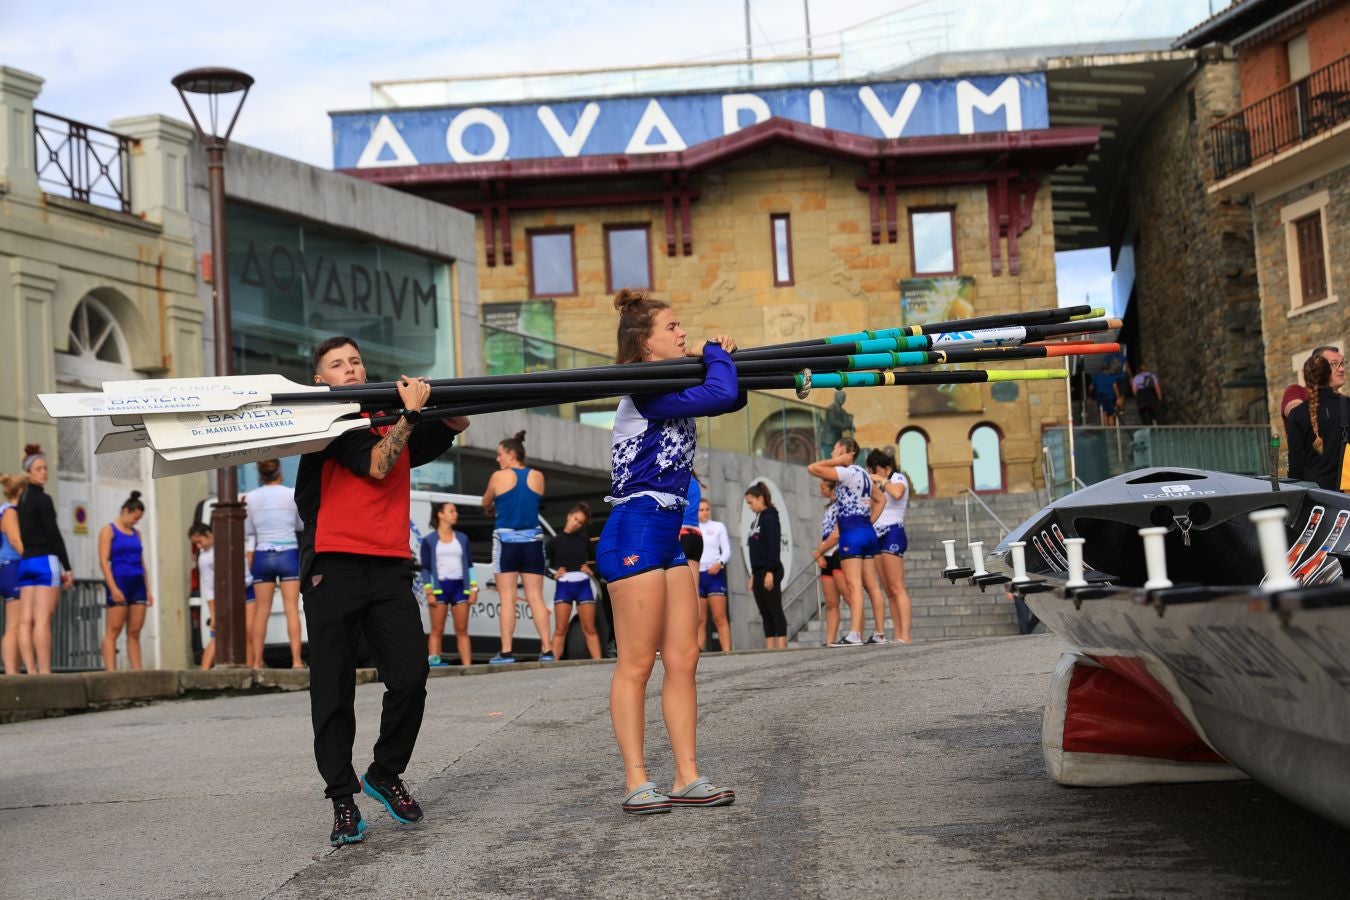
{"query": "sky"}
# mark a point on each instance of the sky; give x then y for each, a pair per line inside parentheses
(103, 61)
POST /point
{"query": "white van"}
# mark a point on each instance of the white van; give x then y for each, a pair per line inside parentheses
(484, 615)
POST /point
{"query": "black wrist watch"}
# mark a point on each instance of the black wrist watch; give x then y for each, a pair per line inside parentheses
(413, 417)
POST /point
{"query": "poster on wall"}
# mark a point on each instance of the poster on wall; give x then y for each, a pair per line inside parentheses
(518, 337)
(925, 300)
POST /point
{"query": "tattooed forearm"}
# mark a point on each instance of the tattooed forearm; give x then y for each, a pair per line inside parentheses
(388, 449)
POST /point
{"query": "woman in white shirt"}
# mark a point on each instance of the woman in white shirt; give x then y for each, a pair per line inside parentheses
(712, 578)
(890, 499)
(272, 522)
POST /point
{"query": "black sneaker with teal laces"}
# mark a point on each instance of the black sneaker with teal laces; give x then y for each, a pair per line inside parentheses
(395, 798)
(348, 826)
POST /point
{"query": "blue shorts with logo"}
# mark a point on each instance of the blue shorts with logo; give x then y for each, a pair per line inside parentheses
(133, 589)
(573, 592)
(526, 557)
(271, 566)
(40, 571)
(9, 579)
(640, 536)
(857, 540)
(892, 540)
(449, 591)
(709, 584)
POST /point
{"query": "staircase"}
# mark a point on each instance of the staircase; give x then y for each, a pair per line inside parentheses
(942, 609)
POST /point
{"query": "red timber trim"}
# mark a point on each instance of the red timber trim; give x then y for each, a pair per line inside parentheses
(1011, 199)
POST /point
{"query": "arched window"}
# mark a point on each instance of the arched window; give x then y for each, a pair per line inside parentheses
(986, 468)
(95, 335)
(913, 444)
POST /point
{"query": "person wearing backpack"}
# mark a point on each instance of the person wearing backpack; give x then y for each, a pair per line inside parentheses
(1147, 392)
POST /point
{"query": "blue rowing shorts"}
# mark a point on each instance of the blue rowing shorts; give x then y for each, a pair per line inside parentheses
(893, 540)
(40, 571)
(857, 540)
(574, 592)
(709, 584)
(271, 566)
(640, 536)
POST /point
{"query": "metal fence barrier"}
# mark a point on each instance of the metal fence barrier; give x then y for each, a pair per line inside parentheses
(77, 629)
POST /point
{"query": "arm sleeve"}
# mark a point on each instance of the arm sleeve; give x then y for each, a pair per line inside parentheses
(723, 546)
(1297, 442)
(716, 395)
(551, 551)
(771, 534)
(352, 451)
(425, 553)
(429, 441)
(49, 524)
(250, 525)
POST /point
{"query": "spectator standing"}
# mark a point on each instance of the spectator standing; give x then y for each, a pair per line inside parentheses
(447, 579)
(1318, 428)
(712, 578)
(1106, 385)
(1148, 396)
(204, 543)
(857, 540)
(44, 570)
(11, 552)
(514, 492)
(121, 558)
(570, 554)
(889, 501)
(766, 565)
(1297, 393)
(272, 523)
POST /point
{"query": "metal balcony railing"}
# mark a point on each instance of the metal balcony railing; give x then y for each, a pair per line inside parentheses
(77, 628)
(1307, 107)
(82, 162)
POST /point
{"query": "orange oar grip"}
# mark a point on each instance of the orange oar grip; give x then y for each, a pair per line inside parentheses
(1080, 348)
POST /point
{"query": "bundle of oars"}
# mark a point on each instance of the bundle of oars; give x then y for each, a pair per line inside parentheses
(196, 424)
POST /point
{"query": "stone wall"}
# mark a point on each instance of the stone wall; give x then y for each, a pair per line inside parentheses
(1195, 292)
(843, 282)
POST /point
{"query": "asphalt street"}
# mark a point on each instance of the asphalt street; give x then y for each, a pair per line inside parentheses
(869, 772)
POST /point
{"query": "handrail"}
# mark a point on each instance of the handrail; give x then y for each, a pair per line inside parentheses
(792, 598)
(1314, 104)
(1004, 529)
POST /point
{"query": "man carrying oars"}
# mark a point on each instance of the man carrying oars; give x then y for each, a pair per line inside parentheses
(356, 574)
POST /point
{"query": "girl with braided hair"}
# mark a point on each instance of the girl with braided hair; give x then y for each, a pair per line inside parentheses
(1316, 429)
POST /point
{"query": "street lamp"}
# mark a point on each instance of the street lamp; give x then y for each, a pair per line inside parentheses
(211, 89)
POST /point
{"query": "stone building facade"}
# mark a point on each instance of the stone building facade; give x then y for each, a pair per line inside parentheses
(1195, 287)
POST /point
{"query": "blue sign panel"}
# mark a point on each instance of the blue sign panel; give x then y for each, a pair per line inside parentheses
(626, 125)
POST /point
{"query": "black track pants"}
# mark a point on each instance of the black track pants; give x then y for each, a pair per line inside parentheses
(770, 601)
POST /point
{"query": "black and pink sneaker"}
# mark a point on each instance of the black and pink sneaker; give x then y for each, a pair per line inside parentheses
(348, 826)
(395, 798)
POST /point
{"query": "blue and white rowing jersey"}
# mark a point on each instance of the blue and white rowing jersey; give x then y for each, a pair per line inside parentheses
(854, 494)
(829, 521)
(654, 434)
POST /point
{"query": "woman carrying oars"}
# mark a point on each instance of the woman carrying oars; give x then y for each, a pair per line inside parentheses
(650, 584)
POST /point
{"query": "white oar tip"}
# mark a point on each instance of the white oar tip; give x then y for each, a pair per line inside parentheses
(1274, 548)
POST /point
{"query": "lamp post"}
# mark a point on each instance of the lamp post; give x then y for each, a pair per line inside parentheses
(209, 87)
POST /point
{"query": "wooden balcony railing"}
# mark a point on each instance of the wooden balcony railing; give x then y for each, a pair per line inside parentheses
(1305, 108)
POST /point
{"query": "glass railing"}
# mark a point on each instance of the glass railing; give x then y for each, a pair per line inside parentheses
(1102, 453)
(773, 426)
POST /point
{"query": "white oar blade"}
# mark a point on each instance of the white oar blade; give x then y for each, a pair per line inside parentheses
(269, 443)
(121, 441)
(985, 337)
(240, 385)
(204, 459)
(256, 421)
(131, 407)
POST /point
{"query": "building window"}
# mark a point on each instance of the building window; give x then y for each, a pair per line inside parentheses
(1312, 263)
(932, 241)
(986, 469)
(628, 257)
(781, 229)
(553, 265)
(913, 445)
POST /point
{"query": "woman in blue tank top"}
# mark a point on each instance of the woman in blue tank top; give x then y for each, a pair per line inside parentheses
(513, 493)
(11, 551)
(122, 559)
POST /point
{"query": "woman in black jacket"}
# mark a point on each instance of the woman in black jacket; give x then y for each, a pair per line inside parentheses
(766, 567)
(44, 570)
(1316, 438)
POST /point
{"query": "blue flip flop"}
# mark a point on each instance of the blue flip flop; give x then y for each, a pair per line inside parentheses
(645, 800)
(702, 792)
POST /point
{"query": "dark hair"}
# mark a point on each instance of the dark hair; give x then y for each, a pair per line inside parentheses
(436, 512)
(850, 446)
(31, 454)
(134, 503)
(582, 507)
(636, 311)
(880, 459)
(1316, 375)
(761, 490)
(269, 470)
(327, 345)
(515, 444)
(201, 529)
(1318, 351)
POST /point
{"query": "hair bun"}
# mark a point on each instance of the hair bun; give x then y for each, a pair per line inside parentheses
(628, 298)
(32, 449)
(520, 436)
(135, 495)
